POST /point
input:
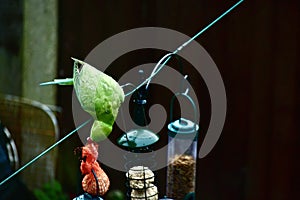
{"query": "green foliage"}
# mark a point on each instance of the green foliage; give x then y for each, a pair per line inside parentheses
(115, 195)
(50, 191)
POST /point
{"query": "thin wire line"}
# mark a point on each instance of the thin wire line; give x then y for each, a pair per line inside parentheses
(44, 152)
(208, 26)
(168, 56)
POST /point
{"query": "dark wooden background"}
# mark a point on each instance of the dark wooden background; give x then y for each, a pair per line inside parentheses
(256, 49)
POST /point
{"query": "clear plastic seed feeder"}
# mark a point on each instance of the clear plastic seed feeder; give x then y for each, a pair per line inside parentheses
(182, 154)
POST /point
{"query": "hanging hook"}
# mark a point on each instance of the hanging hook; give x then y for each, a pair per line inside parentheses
(183, 84)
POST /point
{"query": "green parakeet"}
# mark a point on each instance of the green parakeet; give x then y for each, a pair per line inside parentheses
(99, 95)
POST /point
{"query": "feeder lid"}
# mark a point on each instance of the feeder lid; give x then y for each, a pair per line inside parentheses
(138, 138)
(165, 198)
(87, 196)
(183, 125)
(190, 196)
